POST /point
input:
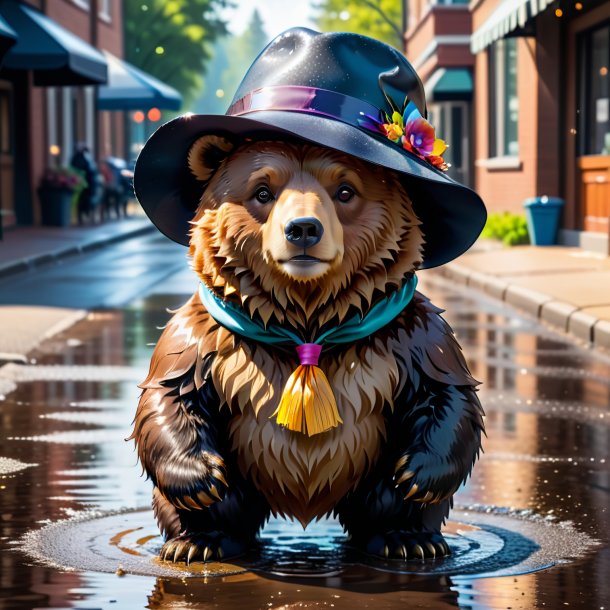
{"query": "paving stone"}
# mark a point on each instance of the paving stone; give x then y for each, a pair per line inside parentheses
(601, 334)
(581, 325)
(526, 299)
(496, 287)
(477, 280)
(557, 313)
(457, 272)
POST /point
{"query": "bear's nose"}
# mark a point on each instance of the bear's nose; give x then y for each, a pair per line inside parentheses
(304, 232)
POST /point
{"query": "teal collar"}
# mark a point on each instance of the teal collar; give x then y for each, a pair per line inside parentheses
(235, 319)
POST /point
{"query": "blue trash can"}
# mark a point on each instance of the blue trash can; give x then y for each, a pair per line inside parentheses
(543, 215)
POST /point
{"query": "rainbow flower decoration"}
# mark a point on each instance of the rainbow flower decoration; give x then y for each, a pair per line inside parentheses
(409, 129)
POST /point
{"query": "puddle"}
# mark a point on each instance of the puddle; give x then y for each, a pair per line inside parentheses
(485, 542)
(71, 492)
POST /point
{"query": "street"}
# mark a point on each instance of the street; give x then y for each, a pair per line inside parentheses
(104, 278)
(76, 530)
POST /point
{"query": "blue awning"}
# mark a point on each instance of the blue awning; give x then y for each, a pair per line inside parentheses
(129, 88)
(8, 37)
(448, 84)
(54, 54)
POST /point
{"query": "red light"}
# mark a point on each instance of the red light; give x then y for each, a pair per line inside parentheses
(154, 114)
(138, 116)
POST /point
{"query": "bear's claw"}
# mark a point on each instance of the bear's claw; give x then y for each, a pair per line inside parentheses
(398, 544)
(200, 547)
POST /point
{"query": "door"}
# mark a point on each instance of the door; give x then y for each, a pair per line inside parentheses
(593, 162)
(595, 192)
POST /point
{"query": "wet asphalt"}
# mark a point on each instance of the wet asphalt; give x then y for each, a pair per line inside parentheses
(76, 532)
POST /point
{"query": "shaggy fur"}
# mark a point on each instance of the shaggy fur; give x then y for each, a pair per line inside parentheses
(411, 419)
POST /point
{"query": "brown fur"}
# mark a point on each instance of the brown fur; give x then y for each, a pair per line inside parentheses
(234, 246)
(381, 238)
(303, 477)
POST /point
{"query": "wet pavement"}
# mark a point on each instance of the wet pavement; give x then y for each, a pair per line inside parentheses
(530, 529)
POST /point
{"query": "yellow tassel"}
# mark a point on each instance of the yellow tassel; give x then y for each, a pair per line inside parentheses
(308, 404)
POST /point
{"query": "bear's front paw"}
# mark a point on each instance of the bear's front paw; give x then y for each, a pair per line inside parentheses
(425, 478)
(195, 484)
(400, 544)
(213, 546)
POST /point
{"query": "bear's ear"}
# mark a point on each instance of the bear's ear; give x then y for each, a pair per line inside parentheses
(206, 155)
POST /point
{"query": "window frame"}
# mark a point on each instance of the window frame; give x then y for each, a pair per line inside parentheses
(84, 5)
(105, 10)
(497, 86)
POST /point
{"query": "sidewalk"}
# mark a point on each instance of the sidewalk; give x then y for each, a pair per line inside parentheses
(566, 287)
(23, 328)
(25, 247)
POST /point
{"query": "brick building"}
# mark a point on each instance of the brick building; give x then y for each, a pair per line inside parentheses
(48, 99)
(541, 104)
(437, 43)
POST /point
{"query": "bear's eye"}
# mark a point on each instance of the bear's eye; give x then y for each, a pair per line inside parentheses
(345, 193)
(263, 194)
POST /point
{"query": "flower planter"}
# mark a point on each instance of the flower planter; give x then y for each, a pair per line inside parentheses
(56, 206)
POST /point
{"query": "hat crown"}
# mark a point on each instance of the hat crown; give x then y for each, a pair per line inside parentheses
(346, 63)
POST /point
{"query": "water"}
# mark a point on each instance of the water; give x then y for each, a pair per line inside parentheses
(530, 529)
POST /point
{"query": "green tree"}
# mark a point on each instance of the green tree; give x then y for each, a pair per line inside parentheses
(171, 39)
(212, 98)
(242, 51)
(381, 19)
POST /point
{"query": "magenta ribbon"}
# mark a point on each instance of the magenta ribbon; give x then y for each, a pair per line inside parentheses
(309, 353)
(310, 100)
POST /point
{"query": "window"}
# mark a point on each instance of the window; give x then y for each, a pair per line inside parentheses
(447, 2)
(594, 92)
(451, 123)
(503, 100)
(84, 4)
(105, 9)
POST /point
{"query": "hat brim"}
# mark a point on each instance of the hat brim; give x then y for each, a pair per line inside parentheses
(452, 215)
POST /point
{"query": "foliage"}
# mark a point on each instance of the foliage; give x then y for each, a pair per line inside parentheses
(170, 38)
(233, 55)
(62, 178)
(507, 227)
(242, 51)
(381, 19)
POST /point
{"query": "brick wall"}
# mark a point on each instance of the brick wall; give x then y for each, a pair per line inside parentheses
(504, 188)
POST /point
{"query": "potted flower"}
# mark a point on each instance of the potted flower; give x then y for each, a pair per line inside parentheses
(57, 189)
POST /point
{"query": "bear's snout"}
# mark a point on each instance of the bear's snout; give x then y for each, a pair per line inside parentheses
(304, 232)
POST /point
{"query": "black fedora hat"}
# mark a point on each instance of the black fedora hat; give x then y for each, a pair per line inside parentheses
(339, 90)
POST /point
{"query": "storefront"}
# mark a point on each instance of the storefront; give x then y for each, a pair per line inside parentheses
(437, 44)
(542, 104)
(47, 61)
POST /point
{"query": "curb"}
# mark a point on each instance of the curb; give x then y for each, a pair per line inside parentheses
(559, 314)
(28, 264)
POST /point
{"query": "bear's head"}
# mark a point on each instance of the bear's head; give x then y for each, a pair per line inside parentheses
(299, 232)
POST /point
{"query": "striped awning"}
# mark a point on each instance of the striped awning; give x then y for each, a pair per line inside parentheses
(508, 17)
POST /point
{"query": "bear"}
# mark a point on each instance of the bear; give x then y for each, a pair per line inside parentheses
(305, 236)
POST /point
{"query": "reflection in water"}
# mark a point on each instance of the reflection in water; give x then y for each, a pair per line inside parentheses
(547, 450)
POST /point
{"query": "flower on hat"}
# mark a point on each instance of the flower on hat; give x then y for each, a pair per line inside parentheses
(409, 129)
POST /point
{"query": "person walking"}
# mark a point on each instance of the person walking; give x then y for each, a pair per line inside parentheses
(83, 161)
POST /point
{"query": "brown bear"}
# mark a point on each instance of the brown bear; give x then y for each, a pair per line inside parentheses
(296, 237)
